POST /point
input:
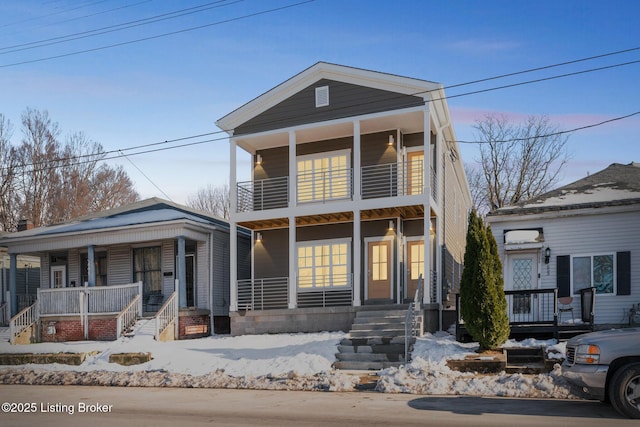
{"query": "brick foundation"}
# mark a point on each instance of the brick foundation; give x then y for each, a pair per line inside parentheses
(193, 324)
(60, 329)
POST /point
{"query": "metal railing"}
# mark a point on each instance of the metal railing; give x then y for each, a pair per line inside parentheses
(324, 186)
(434, 184)
(128, 316)
(412, 327)
(263, 294)
(23, 320)
(532, 306)
(168, 313)
(330, 290)
(263, 194)
(396, 179)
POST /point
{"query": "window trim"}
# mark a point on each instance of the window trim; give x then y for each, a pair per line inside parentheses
(315, 243)
(614, 279)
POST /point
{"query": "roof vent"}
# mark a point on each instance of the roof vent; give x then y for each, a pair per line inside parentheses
(322, 96)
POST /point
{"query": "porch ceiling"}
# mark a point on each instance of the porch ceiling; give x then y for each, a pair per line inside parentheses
(404, 212)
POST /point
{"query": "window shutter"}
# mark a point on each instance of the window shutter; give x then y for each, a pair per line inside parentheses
(322, 96)
(623, 272)
(563, 275)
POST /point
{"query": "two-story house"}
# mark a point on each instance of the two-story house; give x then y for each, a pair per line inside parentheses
(357, 191)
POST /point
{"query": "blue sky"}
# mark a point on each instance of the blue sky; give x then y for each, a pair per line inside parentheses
(177, 86)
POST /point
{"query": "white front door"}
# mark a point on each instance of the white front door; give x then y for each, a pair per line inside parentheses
(522, 275)
(58, 276)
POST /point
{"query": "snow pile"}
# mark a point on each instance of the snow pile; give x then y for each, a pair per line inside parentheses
(428, 373)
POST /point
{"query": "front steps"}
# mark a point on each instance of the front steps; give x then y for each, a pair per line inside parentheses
(376, 340)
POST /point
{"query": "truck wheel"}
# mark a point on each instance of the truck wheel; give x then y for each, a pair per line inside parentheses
(624, 390)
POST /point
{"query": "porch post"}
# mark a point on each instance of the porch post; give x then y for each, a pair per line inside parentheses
(293, 171)
(357, 173)
(427, 205)
(91, 265)
(233, 229)
(182, 273)
(13, 289)
(293, 259)
(357, 259)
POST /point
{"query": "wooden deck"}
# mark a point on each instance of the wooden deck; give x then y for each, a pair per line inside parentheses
(535, 314)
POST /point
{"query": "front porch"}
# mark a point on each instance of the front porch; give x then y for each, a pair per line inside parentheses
(537, 313)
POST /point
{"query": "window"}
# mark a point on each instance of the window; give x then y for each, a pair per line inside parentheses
(593, 270)
(100, 259)
(324, 177)
(324, 264)
(147, 267)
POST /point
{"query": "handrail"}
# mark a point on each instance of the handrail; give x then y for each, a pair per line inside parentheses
(23, 320)
(127, 317)
(4, 313)
(167, 313)
(411, 324)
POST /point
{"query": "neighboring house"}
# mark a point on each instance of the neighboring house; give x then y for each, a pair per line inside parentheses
(165, 246)
(352, 171)
(27, 281)
(582, 235)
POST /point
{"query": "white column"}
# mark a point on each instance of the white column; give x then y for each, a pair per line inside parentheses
(182, 272)
(427, 207)
(357, 164)
(293, 171)
(91, 265)
(357, 259)
(233, 229)
(293, 261)
(233, 185)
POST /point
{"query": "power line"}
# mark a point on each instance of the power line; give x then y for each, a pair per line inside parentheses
(146, 176)
(225, 21)
(117, 27)
(551, 134)
(35, 18)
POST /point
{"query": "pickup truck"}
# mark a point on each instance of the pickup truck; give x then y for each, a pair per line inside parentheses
(606, 366)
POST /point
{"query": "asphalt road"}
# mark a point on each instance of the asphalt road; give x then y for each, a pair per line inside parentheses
(67, 406)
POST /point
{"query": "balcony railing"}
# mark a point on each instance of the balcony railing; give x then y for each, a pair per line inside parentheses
(377, 181)
(263, 194)
(329, 290)
(263, 294)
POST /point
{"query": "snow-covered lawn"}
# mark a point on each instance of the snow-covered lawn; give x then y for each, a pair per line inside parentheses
(282, 361)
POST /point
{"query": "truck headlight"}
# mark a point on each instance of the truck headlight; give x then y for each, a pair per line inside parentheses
(588, 354)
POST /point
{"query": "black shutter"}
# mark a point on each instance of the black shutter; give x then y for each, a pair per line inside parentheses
(623, 272)
(563, 275)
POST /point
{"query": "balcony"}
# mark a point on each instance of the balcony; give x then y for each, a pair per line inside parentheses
(377, 181)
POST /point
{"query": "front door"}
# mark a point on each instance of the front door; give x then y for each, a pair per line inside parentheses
(415, 266)
(522, 276)
(379, 269)
(59, 276)
(190, 262)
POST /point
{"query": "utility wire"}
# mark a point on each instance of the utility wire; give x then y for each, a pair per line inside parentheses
(157, 36)
(35, 18)
(145, 175)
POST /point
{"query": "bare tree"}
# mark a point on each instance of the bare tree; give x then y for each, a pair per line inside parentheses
(519, 161)
(7, 176)
(477, 187)
(52, 182)
(214, 200)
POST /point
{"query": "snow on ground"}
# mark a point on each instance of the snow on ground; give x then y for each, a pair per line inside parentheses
(280, 361)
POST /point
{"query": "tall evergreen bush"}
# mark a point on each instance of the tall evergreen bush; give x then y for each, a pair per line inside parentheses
(482, 299)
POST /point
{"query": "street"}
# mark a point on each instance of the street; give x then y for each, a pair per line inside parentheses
(108, 406)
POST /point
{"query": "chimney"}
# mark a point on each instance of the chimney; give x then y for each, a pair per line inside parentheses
(24, 224)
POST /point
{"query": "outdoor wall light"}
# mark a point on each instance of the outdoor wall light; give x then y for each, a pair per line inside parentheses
(391, 140)
(258, 159)
(547, 255)
(391, 225)
(258, 237)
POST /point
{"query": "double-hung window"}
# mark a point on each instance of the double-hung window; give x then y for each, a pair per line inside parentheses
(324, 264)
(324, 176)
(593, 271)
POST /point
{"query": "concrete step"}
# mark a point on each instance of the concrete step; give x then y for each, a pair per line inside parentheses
(379, 319)
(381, 313)
(374, 341)
(378, 326)
(369, 357)
(365, 366)
(380, 348)
(380, 333)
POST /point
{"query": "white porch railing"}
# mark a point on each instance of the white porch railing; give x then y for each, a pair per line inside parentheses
(102, 299)
(21, 321)
(4, 314)
(112, 299)
(167, 314)
(128, 316)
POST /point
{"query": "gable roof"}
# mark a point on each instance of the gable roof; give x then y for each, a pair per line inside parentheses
(617, 185)
(324, 70)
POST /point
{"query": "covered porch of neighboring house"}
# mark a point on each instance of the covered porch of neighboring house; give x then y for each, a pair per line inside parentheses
(540, 313)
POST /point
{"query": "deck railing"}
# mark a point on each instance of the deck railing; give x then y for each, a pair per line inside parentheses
(263, 294)
(263, 194)
(128, 316)
(168, 313)
(23, 320)
(100, 299)
(336, 290)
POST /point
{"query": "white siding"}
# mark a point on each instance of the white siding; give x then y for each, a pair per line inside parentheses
(168, 266)
(586, 234)
(120, 270)
(202, 275)
(73, 269)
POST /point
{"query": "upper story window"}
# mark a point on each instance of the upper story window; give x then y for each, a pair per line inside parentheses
(322, 96)
(324, 176)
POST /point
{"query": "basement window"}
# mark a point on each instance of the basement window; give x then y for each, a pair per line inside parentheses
(322, 96)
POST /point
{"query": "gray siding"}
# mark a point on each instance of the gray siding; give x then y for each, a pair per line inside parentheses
(168, 266)
(275, 163)
(375, 149)
(345, 100)
(73, 267)
(220, 270)
(272, 254)
(120, 270)
(202, 276)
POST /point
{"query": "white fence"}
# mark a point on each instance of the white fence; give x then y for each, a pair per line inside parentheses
(93, 300)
